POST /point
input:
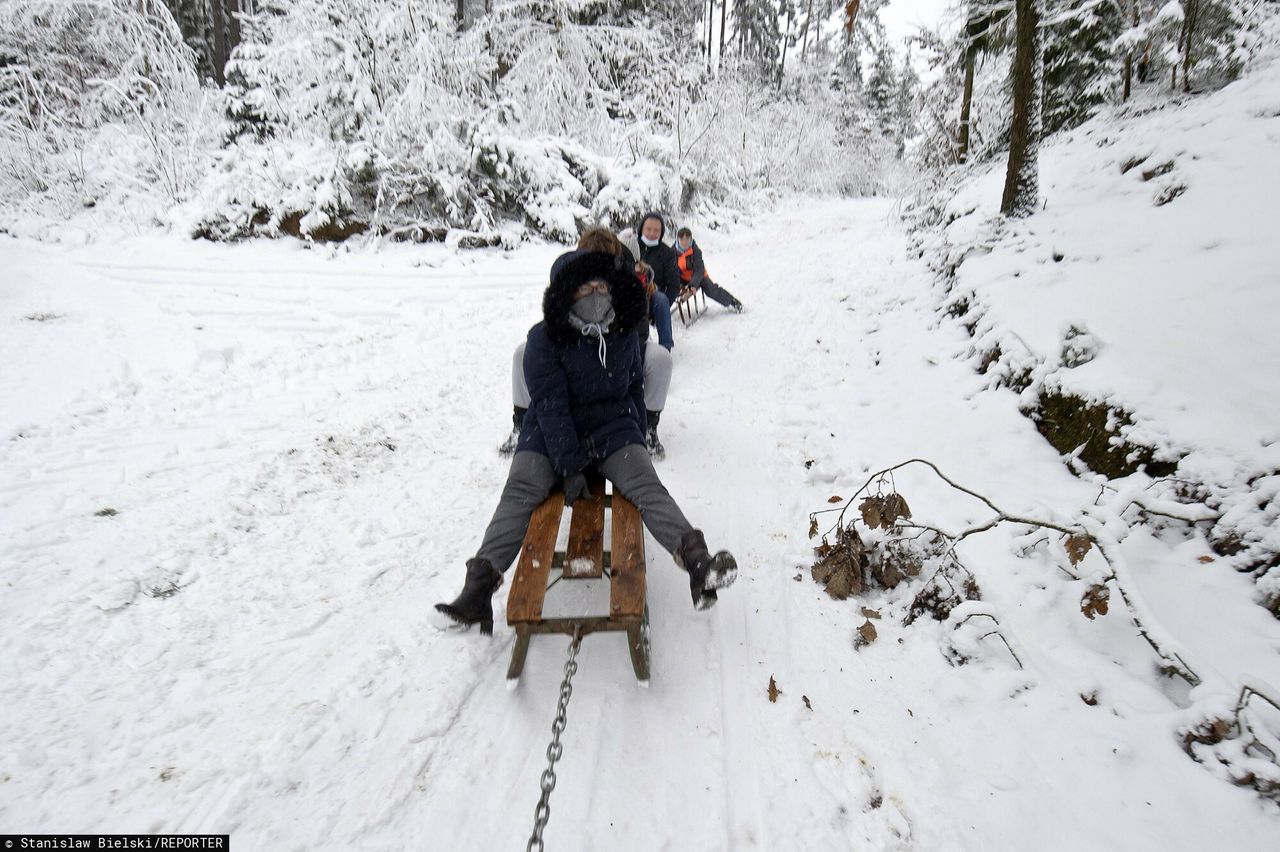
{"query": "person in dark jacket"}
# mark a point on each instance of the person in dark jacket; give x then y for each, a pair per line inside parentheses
(666, 276)
(655, 357)
(582, 363)
(693, 272)
(653, 251)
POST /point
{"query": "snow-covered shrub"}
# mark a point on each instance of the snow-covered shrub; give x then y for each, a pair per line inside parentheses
(98, 99)
(631, 191)
(1235, 736)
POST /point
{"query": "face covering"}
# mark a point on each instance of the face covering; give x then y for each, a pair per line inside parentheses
(650, 243)
(595, 308)
(592, 316)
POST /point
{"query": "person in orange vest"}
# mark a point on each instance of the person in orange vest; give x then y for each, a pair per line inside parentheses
(693, 273)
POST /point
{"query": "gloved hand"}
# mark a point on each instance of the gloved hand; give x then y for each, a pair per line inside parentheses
(575, 488)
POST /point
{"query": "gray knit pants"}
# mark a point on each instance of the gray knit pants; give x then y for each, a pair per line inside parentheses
(531, 479)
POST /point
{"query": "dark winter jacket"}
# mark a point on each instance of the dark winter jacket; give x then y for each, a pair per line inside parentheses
(662, 258)
(581, 411)
(690, 265)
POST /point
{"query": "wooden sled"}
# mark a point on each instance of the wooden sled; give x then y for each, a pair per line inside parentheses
(690, 304)
(584, 558)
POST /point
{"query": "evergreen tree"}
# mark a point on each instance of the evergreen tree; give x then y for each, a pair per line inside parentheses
(1080, 66)
(905, 104)
(1215, 42)
(758, 33)
(881, 89)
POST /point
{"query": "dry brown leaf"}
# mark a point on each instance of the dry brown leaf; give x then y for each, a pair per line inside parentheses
(866, 635)
(774, 692)
(1205, 560)
(895, 506)
(1095, 601)
(1078, 547)
(870, 509)
(841, 584)
(835, 498)
(813, 527)
(870, 613)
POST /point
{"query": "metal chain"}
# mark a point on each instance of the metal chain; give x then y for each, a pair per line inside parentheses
(543, 811)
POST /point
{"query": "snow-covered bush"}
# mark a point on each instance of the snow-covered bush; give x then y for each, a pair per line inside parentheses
(98, 100)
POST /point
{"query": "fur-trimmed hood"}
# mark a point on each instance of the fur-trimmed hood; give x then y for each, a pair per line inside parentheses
(575, 268)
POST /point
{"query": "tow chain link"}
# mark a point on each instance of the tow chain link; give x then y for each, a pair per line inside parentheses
(543, 811)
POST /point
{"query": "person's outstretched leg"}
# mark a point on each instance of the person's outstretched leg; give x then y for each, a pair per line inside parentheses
(632, 474)
(660, 310)
(529, 482)
(718, 294)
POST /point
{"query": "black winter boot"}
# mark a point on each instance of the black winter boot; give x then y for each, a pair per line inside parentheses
(706, 572)
(475, 604)
(508, 447)
(651, 441)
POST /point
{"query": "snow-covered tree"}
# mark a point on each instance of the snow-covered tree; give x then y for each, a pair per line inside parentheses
(96, 96)
(1081, 70)
(1215, 42)
(212, 30)
(757, 31)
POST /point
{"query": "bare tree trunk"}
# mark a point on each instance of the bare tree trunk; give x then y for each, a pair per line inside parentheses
(1022, 179)
(1128, 59)
(233, 25)
(786, 39)
(966, 103)
(1193, 12)
(724, 14)
(711, 14)
(218, 22)
(808, 19)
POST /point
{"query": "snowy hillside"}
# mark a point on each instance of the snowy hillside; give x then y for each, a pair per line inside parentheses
(298, 454)
(1146, 286)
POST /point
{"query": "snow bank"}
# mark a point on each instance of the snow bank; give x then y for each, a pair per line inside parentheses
(1145, 286)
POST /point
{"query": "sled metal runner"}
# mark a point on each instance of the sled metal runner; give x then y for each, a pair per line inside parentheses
(584, 558)
(690, 304)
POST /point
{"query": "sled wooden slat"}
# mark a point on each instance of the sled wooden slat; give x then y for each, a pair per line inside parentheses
(529, 588)
(625, 561)
(627, 588)
(584, 555)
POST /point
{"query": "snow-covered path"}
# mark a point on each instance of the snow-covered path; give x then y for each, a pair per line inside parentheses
(300, 453)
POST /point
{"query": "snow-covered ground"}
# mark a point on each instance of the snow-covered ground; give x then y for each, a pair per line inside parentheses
(299, 450)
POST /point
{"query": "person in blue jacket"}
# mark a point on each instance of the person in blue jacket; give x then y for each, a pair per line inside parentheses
(586, 387)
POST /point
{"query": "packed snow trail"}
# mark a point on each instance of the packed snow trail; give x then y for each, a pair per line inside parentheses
(300, 453)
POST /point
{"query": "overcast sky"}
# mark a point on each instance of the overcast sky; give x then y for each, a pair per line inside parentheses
(903, 17)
